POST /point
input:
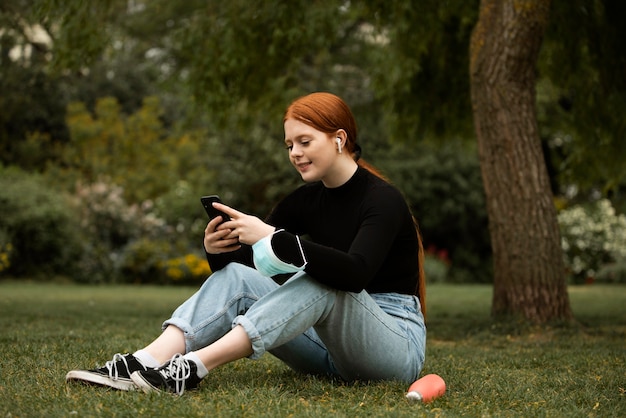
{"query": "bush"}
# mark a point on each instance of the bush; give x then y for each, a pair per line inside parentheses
(445, 189)
(592, 236)
(188, 269)
(5, 251)
(111, 226)
(38, 236)
(144, 261)
(181, 209)
(131, 243)
(613, 272)
(155, 261)
(436, 267)
(150, 261)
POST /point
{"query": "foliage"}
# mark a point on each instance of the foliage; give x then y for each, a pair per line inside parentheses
(110, 226)
(490, 370)
(38, 234)
(5, 251)
(592, 237)
(141, 260)
(436, 267)
(180, 208)
(613, 272)
(220, 51)
(42, 69)
(444, 188)
(581, 91)
(132, 150)
(31, 111)
(135, 152)
(155, 261)
(419, 67)
(130, 242)
(189, 268)
(406, 61)
(107, 217)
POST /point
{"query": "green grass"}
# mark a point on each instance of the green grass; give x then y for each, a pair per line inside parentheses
(491, 369)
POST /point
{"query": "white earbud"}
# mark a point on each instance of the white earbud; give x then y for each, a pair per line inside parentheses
(339, 146)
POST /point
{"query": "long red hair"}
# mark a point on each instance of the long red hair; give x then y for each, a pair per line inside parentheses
(329, 113)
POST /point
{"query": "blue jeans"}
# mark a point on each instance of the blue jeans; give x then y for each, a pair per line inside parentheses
(309, 326)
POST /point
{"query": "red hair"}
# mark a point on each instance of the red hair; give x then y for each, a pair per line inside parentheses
(329, 113)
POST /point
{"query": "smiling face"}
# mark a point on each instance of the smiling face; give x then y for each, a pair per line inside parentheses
(313, 124)
(313, 153)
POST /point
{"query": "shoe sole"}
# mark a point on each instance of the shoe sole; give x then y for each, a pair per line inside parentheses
(87, 377)
(142, 383)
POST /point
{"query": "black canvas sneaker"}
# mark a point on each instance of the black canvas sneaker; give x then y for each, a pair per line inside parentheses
(115, 373)
(174, 376)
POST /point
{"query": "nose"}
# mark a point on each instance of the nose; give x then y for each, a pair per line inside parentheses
(296, 150)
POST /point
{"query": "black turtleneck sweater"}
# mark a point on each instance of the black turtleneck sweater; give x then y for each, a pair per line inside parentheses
(358, 236)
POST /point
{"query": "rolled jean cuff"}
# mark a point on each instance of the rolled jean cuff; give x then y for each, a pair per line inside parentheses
(187, 330)
(258, 347)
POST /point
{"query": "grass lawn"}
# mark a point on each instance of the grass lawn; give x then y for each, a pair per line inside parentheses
(491, 369)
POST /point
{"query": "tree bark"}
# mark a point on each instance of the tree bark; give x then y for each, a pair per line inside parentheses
(529, 273)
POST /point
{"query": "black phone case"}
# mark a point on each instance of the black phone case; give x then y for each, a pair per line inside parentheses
(207, 203)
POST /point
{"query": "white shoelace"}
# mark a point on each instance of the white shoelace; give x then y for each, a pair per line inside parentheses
(112, 366)
(178, 370)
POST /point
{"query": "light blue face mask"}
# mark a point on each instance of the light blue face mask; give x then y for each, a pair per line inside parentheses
(267, 263)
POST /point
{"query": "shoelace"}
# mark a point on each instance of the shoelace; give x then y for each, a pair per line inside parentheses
(177, 370)
(112, 366)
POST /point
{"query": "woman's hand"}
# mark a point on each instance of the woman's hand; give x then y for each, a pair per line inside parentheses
(246, 228)
(215, 241)
(241, 229)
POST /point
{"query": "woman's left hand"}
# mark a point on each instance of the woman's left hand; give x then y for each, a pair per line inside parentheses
(247, 228)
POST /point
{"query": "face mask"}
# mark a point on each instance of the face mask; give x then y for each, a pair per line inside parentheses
(267, 263)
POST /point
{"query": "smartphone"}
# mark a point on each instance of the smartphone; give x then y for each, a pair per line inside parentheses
(207, 202)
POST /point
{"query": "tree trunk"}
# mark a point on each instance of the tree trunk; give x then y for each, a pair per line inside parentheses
(529, 274)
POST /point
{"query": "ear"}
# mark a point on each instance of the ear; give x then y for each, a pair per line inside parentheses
(342, 135)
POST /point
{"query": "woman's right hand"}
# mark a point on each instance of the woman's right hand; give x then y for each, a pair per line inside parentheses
(215, 241)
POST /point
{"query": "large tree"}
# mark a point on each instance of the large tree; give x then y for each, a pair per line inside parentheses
(529, 276)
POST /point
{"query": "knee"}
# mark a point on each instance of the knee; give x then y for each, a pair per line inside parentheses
(233, 271)
(239, 276)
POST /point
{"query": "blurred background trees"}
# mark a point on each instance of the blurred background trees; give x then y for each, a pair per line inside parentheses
(127, 111)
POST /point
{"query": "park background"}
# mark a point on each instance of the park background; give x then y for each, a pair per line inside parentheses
(116, 116)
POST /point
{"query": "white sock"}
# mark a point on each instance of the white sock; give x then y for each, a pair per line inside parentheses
(146, 359)
(202, 371)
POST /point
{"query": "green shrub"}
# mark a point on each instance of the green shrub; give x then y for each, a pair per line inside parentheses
(592, 236)
(6, 248)
(613, 272)
(142, 260)
(443, 184)
(435, 268)
(130, 243)
(186, 269)
(111, 226)
(180, 208)
(36, 224)
(159, 262)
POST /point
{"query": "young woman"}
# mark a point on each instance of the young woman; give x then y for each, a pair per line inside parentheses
(353, 305)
